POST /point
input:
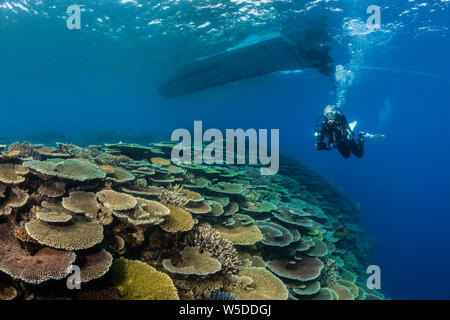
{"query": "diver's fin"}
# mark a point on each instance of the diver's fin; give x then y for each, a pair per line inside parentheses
(271, 55)
(378, 137)
(352, 125)
(375, 137)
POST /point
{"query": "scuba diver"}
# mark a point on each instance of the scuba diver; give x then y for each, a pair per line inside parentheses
(339, 134)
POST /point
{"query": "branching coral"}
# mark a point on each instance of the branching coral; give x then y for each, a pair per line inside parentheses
(329, 274)
(26, 150)
(92, 154)
(210, 240)
(173, 195)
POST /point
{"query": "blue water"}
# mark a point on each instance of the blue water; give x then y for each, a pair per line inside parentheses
(99, 83)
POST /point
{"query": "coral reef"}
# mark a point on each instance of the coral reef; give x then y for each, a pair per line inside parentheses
(142, 227)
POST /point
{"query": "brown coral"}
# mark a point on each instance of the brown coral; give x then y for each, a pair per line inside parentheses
(17, 198)
(173, 195)
(82, 202)
(52, 212)
(46, 264)
(52, 189)
(116, 200)
(79, 235)
(12, 174)
(94, 265)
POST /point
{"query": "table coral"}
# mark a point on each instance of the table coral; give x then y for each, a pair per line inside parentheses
(193, 262)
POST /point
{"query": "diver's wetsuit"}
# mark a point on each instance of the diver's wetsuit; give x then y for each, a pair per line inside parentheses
(340, 135)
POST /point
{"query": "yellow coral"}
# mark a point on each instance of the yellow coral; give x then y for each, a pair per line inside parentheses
(241, 235)
(177, 220)
(160, 161)
(259, 284)
(136, 280)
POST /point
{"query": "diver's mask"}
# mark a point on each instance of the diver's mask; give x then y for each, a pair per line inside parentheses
(330, 116)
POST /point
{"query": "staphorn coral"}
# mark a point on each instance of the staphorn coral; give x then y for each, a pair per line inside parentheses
(26, 150)
(79, 235)
(193, 262)
(136, 280)
(173, 195)
(45, 264)
(259, 284)
(210, 240)
(329, 274)
(178, 220)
